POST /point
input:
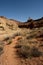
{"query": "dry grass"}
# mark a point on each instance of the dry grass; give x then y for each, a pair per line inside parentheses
(1, 48)
(26, 49)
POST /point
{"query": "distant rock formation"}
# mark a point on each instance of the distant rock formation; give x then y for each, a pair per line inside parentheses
(32, 23)
(28, 24)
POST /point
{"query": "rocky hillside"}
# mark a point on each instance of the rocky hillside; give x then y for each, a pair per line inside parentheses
(7, 27)
(21, 43)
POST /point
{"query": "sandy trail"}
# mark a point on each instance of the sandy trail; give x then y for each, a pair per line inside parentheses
(9, 56)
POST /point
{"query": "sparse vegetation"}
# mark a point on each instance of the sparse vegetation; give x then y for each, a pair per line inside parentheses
(25, 51)
(6, 38)
(1, 47)
(1, 50)
(35, 52)
(1, 28)
(10, 26)
(9, 41)
(16, 34)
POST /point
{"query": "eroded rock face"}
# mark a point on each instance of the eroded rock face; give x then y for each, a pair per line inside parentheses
(32, 24)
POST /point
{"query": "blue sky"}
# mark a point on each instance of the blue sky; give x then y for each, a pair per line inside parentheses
(21, 10)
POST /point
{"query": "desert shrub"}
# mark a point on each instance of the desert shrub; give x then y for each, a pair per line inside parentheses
(32, 42)
(30, 36)
(1, 47)
(41, 45)
(10, 26)
(9, 41)
(23, 51)
(1, 28)
(35, 52)
(16, 34)
(1, 50)
(18, 46)
(13, 36)
(6, 38)
(1, 43)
